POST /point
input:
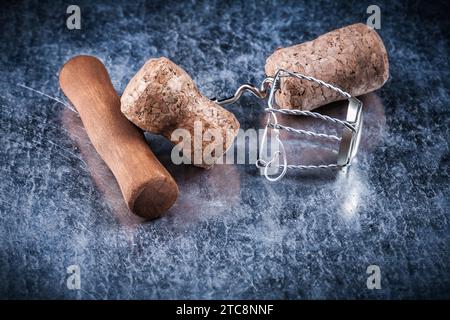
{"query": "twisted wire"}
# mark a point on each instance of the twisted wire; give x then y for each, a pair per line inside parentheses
(311, 114)
(262, 163)
(304, 132)
(310, 78)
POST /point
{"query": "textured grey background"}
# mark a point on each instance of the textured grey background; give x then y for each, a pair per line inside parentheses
(231, 234)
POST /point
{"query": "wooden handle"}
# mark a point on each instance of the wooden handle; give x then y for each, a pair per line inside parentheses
(148, 189)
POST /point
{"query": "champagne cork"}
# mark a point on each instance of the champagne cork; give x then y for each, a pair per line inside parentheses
(162, 98)
(352, 58)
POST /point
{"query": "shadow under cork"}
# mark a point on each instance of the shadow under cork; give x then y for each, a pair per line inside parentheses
(202, 191)
(208, 193)
(101, 175)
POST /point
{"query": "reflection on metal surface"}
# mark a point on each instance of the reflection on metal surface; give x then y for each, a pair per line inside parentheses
(100, 173)
(351, 189)
(202, 192)
(207, 193)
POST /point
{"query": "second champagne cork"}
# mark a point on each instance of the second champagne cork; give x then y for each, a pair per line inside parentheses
(353, 58)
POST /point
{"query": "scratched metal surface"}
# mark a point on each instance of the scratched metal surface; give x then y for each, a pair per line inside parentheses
(231, 234)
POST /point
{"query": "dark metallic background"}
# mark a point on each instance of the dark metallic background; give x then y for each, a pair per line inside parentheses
(232, 234)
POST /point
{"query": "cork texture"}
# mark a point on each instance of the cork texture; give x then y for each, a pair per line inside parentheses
(353, 58)
(162, 97)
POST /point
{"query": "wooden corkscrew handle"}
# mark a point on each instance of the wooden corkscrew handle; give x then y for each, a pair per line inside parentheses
(148, 189)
